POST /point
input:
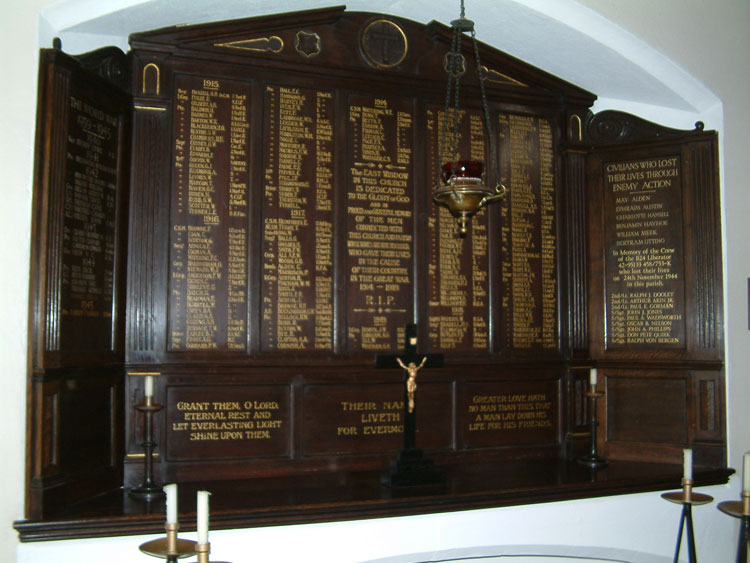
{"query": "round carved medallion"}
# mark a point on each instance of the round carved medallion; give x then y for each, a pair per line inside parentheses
(384, 44)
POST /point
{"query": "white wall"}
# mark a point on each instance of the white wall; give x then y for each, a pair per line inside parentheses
(710, 40)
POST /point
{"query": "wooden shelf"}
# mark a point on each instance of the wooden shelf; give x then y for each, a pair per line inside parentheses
(352, 496)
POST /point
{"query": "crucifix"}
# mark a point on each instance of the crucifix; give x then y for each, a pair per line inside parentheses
(411, 468)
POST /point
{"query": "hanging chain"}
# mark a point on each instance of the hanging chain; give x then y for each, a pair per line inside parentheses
(457, 77)
(454, 78)
(486, 110)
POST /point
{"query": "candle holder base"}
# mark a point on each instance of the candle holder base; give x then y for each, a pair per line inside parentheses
(593, 461)
(147, 493)
(159, 548)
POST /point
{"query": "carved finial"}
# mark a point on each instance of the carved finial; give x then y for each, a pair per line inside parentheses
(57, 44)
(699, 125)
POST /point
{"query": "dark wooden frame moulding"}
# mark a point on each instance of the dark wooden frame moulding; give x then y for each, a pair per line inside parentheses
(663, 391)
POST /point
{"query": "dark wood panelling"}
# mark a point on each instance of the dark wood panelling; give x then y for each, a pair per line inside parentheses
(281, 232)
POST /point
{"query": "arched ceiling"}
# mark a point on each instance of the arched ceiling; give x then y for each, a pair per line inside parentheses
(562, 37)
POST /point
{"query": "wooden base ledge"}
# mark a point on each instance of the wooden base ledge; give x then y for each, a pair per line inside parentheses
(360, 495)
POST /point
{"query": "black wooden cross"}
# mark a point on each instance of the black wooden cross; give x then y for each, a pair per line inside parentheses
(411, 468)
(417, 361)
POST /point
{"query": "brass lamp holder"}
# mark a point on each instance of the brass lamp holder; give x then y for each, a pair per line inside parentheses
(740, 509)
(464, 196)
(687, 498)
(460, 186)
(170, 547)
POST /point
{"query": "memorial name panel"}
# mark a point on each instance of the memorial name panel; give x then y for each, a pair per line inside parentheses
(645, 298)
(209, 214)
(458, 267)
(88, 225)
(379, 222)
(528, 240)
(498, 414)
(234, 421)
(297, 288)
(370, 418)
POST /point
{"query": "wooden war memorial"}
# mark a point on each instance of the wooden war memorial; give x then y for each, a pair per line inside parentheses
(243, 212)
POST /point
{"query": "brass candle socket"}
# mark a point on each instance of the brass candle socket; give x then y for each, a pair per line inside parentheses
(171, 537)
(203, 550)
(687, 490)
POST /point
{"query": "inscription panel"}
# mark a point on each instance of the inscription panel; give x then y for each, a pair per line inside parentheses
(379, 222)
(645, 295)
(209, 207)
(370, 418)
(528, 240)
(297, 289)
(204, 422)
(505, 413)
(458, 267)
(89, 224)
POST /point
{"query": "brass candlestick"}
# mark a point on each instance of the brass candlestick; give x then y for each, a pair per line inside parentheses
(148, 490)
(593, 459)
(740, 509)
(687, 498)
(202, 550)
(170, 547)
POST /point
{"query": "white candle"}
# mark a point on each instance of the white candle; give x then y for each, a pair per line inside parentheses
(171, 491)
(687, 464)
(149, 386)
(203, 517)
(592, 377)
(746, 472)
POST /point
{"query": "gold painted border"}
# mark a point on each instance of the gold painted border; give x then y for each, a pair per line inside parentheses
(239, 44)
(504, 78)
(150, 108)
(158, 77)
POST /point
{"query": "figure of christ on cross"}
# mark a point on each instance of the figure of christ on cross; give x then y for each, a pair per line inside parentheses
(411, 381)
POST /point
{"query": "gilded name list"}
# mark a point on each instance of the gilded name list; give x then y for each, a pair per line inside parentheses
(458, 267)
(208, 235)
(643, 242)
(527, 234)
(379, 222)
(297, 289)
(88, 227)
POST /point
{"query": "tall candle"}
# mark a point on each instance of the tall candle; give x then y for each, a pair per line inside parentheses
(687, 463)
(149, 386)
(171, 491)
(203, 517)
(746, 472)
(592, 377)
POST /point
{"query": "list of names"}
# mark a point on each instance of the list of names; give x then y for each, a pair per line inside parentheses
(297, 289)
(644, 273)
(208, 238)
(458, 281)
(528, 237)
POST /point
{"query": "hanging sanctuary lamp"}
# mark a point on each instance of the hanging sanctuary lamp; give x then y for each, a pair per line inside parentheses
(461, 183)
